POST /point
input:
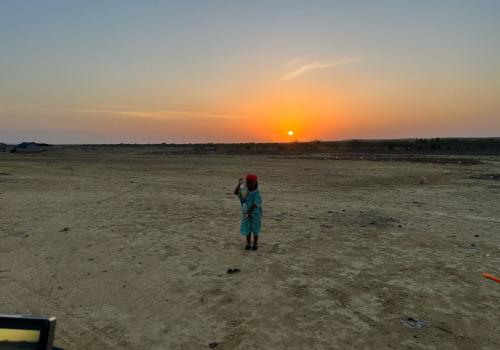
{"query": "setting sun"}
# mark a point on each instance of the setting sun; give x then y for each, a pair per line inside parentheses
(290, 132)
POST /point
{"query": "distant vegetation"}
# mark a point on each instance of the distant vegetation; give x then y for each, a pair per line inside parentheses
(433, 146)
(420, 146)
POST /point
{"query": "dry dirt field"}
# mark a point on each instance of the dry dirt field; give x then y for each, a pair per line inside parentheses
(130, 252)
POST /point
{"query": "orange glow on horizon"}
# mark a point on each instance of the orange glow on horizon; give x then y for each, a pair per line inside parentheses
(302, 113)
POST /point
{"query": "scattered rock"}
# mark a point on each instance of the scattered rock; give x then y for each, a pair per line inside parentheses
(65, 229)
(423, 180)
(413, 323)
(471, 249)
(213, 345)
(231, 271)
(22, 235)
(277, 249)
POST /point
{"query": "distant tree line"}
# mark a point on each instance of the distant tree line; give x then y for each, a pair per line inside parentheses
(471, 146)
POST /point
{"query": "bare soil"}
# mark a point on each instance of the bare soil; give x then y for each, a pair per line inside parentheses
(131, 251)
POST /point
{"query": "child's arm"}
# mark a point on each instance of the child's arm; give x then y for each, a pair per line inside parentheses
(237, 189)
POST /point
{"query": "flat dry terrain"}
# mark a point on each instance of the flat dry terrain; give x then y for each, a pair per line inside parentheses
(131, 252)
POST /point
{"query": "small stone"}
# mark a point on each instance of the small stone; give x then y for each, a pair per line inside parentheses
(21, 235)
(213, 345)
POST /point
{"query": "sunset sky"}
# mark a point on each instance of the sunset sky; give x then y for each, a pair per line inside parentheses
(99, 71)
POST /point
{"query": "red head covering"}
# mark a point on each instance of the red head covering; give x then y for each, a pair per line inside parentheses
(251, 177)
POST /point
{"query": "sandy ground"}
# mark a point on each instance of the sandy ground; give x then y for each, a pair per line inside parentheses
(349, 248)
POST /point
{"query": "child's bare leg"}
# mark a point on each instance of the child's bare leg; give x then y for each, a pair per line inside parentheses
(255, 240)
(247, 247)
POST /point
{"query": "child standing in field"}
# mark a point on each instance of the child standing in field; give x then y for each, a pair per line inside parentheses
(251, 205)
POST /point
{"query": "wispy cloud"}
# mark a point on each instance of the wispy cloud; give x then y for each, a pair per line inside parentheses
(162, 114)
(118, 111)
(308, 67)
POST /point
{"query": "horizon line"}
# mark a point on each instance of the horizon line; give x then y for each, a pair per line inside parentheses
(251, 142)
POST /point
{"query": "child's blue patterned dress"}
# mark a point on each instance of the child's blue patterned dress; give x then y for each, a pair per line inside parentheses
(251, 225)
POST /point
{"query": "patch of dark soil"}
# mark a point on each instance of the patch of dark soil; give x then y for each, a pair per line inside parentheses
(361, 218)
(377, 220)
(486, 176)
(391, 158)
